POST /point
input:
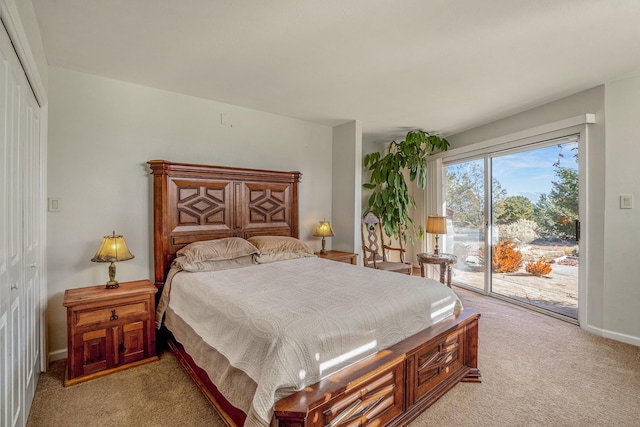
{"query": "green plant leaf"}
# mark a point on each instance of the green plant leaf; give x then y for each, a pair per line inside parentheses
(390, 199)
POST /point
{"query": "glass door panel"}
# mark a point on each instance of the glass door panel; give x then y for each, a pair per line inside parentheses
(465, 210)
(534, 243)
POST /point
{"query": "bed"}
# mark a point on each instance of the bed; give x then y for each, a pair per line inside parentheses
(390, 386)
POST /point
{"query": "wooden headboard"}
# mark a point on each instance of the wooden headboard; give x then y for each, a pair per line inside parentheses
(198, 202)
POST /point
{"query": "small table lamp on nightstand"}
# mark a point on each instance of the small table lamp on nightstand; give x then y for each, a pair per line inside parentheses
(112, 249)
(436, 225)
(324, 230)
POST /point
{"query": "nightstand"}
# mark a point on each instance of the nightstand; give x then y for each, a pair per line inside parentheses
(445, 261)
(346, 257)
(109, 330)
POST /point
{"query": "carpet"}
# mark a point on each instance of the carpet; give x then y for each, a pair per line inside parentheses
(536, 371)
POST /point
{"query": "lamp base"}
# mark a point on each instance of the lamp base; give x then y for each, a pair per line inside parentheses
(112, 284)
(436, 250)
(323, 251)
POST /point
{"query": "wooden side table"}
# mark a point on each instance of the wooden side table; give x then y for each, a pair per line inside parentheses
(445, 261)
(109, 329)
(346, 257)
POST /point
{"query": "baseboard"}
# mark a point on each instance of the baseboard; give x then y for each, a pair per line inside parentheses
(617, 336)
(629, 339)
(57, 355)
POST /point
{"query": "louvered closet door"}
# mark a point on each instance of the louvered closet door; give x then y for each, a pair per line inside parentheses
(19, 239)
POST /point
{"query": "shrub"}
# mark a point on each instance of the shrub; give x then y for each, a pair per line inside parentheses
(506, 257)
(538, 268)
(523, 230)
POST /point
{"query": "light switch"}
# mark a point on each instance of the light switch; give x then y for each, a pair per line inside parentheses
(54, 204)
(225, 120)
(626, 201)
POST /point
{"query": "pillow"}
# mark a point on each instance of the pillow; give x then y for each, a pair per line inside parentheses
(213, 265)
(279, 248)
(216, 250)
(280, 256)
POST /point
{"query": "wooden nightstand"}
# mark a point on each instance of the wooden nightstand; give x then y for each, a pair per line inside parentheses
(347, 257)
(445, 261)
(109, 329)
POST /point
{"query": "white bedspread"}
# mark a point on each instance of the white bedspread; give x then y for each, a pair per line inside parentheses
(290, 323)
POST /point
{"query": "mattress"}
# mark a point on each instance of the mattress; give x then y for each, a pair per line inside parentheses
(265, 331)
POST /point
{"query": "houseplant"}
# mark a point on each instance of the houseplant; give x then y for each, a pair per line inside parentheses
(390, 199)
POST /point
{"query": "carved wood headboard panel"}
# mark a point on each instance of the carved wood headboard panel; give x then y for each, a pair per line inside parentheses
(199, 202)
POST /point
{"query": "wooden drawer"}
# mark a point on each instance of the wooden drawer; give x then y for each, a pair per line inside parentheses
(436, 364)
(374, 402)
(111, 313)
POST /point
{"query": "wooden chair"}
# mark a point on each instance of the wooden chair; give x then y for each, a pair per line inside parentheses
(375, 251)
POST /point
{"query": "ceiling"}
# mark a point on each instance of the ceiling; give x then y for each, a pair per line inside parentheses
(440, 65)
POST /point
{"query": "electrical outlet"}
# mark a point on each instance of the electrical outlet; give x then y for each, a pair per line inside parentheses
(626, 201)
(54, 204)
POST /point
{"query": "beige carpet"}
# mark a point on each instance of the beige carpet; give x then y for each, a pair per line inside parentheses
(536, 370)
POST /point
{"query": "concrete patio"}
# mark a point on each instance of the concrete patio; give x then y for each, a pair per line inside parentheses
(556, 292)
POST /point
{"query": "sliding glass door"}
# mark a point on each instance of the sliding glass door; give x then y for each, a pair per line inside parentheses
(528, 249)
(465, 211)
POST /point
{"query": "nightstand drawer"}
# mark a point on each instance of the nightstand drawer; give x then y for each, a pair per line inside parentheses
(116, 312)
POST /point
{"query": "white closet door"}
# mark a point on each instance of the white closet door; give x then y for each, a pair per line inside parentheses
(13, 212)
(5, 290)
(31, 244)
(20, 209)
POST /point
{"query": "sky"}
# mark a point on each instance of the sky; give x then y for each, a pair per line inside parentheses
(530, 173)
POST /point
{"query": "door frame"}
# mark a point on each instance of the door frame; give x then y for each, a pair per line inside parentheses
(577, 125)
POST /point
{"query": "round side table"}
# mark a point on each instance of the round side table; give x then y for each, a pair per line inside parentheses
(445, 261)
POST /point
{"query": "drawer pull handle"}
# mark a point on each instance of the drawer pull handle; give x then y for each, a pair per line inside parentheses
(114, 316)
(13, 286)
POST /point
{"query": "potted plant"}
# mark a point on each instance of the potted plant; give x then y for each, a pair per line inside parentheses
(390, 199)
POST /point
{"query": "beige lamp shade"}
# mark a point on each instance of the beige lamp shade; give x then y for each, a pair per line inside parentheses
(324, 230)
(436, 225)
(112, 249)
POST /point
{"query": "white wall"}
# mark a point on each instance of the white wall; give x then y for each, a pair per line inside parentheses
(347, 187)
(101, 134)
(621, 298)
(613, 287)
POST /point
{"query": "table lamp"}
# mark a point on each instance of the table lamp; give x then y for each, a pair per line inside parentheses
(324, 230)
(112, 249)
(436, 225)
